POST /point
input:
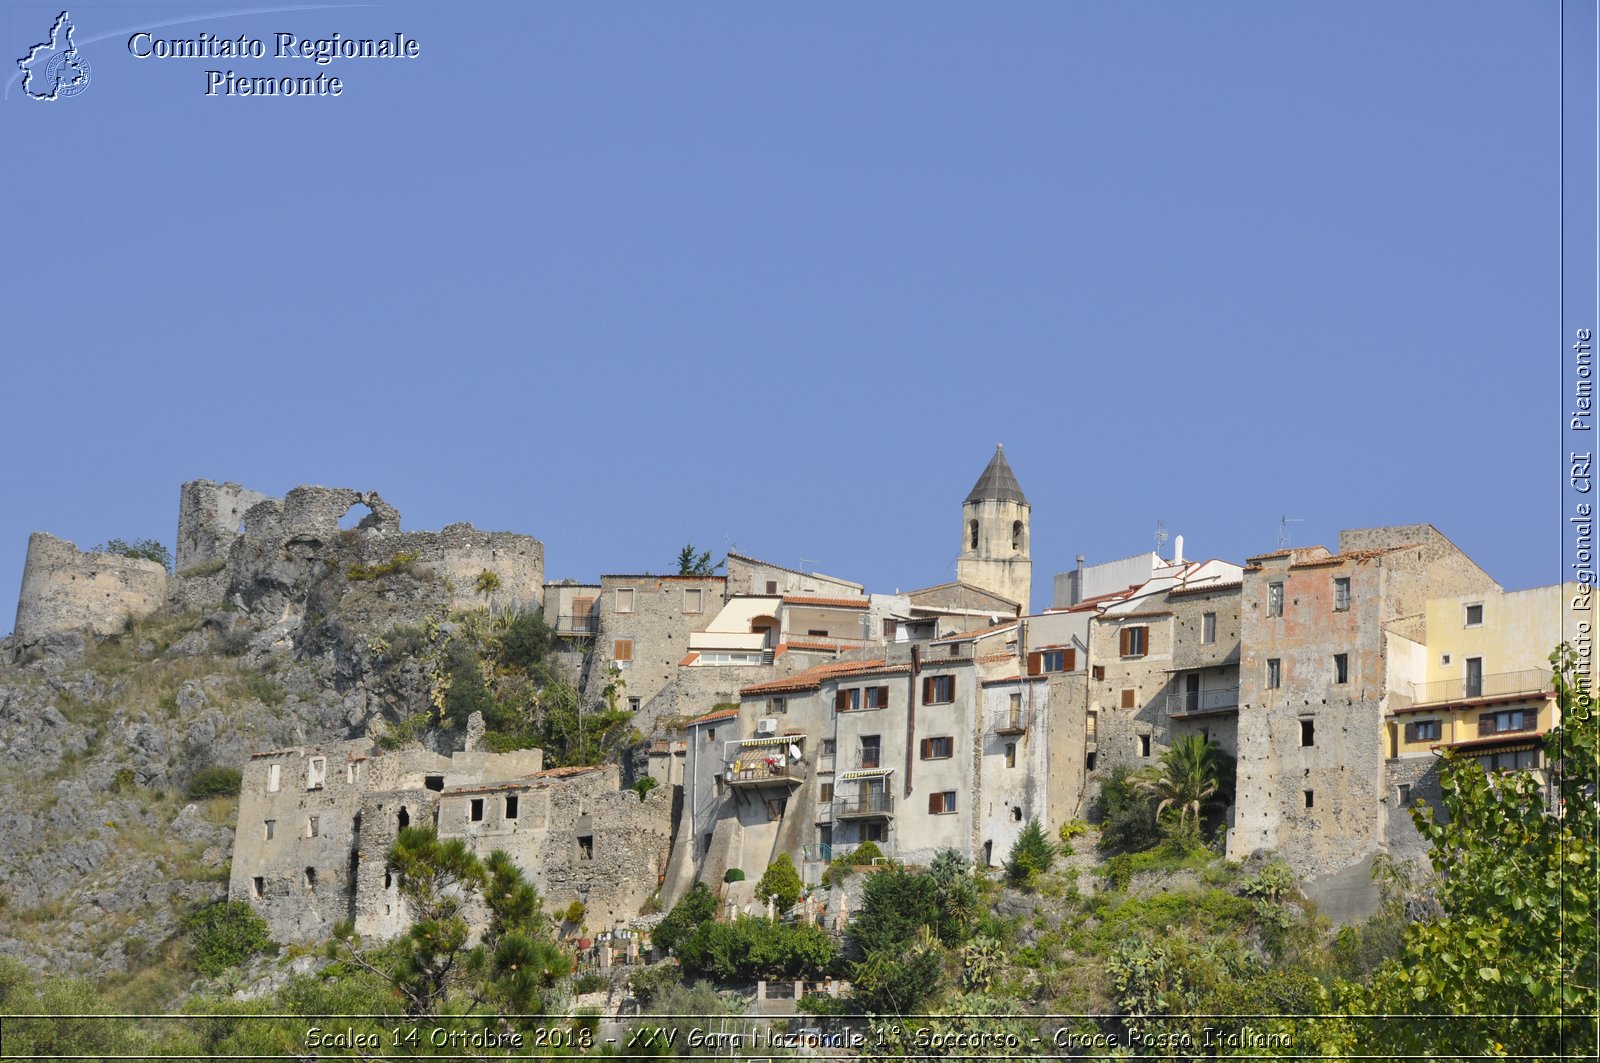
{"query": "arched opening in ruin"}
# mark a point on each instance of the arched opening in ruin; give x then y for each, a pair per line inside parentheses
(403, 820)
(354, 516)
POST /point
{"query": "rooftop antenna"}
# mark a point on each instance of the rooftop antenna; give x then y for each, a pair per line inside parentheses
(1283, 530)
(1161, 535)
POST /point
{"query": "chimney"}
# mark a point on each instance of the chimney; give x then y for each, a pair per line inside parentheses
(1177, 550)
(1077, 582)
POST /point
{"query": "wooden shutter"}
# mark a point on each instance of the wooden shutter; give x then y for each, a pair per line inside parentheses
(883, 697)
(1411, 732)
(1099, 671)
(927, 689)
(1034, 665)
(1486, 724)
(841, 700)
(926, 748)
(936, 802)
(1122, 642)
(622, 649)
(1127, 699)
(1070, 661)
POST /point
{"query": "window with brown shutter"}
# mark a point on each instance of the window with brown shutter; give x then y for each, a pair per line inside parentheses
(1127, 698)
(1133, 641)
(938, 689)
(877, 698)
(1122, 642)
(622, 649)
(1099, 671)
(841, 701)
(1033, 663)
(1071, 664)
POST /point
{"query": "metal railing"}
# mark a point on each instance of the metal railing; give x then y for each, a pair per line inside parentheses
(1500, 684)
(1188, 701)
(878, 804)
(821, 851)
(1010, 721)
(760, 772)
(577, 625)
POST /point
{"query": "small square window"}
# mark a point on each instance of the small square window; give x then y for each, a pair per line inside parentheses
(586, 847)
(1274, 673)
(274, 777)
(1405, 793)
(1474, 615)
(1341, 594)
(693, 599)
(780, 706)
(1128, 696)
(1144, 745)
(475, 810)
(826, 794)
(624, 599)
(942, 748)
(1134, 641)
(1308, 732)
(939, 690)
(311, 878)
(1423, 731)
(891, 628)
(258, 887)
(1341, 668)
(316, 773)
(1274, 599)
(313, 826)
(622, 651)
(941, 802)
(633, 704)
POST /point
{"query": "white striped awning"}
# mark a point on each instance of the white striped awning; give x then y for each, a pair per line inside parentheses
(865, 773)
(774, 740)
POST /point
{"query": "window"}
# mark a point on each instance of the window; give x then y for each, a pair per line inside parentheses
(316, 773)
(586, 847)
(1474, 614)
(1341, 594)
(891, 628)
(1053, 661)
(513, 806)
(1098, 671)
(311, 878)
(1423, 731)
(1144, 745)
(1088, 761)
(1274, 599)
(258, 886)
(711, 735)
(972, 535)
(1128, 696)
(779, 706)
(274, 777)
(772, 586)
(1011, 754)
(1444, 658)
(633, 704)
(941, 802)
(870, 750)
(827, 792)
(830, 746)
(1274, 673)
(624, 599)
(1404, 791)
(1341, 668)
(1308, 732)
(692, 599)
(1016, 535)
(403, 819)
(1208, 628)
(268, 829)
(942, 748)
(352, 772)
(877, 697)
(313, 826)
(1310, 797)
(1474, 686)
(475, 810)
(433, 782)
(1517, 760)
(1134, 641)
(939, 690)
(1491, 723)
(847, 700)
(622, 651)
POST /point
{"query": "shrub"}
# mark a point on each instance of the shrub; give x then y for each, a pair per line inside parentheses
(400, 562)
(143, 549)
(224, 935)
(213, 781)
(1031, 855)
(1071, 829)
(590, 983)
(643, 785)
(1119, 871)
(781, 884)
(574, 913)
(697, 906)
(733, 874)
(1126, 815)
(123, 781)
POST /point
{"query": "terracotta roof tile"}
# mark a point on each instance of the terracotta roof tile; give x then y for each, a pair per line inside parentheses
(568, 771)
(1226, 585)
(977, 632)
(990, 658)
(814, 677)
(711, 716)
(840, 603)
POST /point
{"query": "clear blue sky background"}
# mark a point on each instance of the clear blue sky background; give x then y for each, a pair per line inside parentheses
(627, 276)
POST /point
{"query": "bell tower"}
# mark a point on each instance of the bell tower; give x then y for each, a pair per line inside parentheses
(995, 533)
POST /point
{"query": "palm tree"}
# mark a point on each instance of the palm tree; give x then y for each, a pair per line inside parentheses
(1187, 780)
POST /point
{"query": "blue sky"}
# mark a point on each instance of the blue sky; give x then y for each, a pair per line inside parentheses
(628, 276)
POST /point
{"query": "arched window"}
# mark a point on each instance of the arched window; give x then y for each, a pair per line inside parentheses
(972, 534)
(1016, 535)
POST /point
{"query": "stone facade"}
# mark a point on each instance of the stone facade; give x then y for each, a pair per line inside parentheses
(65, 589)
(746, 575)
(996, 534)
(644, 628)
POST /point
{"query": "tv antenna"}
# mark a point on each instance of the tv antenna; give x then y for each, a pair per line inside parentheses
(1161, 535)
(1283, 530)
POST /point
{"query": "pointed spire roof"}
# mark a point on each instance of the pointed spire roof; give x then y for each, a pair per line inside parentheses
(997, 481)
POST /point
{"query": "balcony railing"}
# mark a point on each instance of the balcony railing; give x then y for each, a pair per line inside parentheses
(758, 772)
(1187, 702)
(820, 851)
(577, 626)
(880, 804)
(1500, 684)
(1010, 721)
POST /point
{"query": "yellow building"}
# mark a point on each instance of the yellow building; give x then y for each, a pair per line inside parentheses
(1487, 692)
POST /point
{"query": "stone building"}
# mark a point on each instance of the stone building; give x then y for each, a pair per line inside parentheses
(995, 534)
(67, 590)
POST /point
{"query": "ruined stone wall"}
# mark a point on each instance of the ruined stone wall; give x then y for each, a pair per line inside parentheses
(210, 518)
(65, 589)
(1069, 745)
(460, 553)
(652, 616)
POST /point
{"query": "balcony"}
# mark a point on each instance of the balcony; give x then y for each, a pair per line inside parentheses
(1501, 684)
(759, 773)
(866, 806)
(1200, 702)
(577, 627)
(1010, 721)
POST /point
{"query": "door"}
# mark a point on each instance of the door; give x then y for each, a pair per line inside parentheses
(1191, 692)
(1474, 677)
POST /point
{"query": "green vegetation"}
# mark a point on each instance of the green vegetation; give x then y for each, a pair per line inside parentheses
(402, 561)
(643, 785)
(733, 874)
(225, 935)
(780, 884)
(213, 781)
(691, 563)
(1031, 855)
(144, 549)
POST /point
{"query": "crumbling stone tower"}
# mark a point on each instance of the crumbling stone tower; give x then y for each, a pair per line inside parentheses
(995, 534)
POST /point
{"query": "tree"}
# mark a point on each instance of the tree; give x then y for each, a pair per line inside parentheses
(1031, 855)
(781, 884)
(144, 549)
(225, 935)
(1518, 937)
(697, 906)
(691, 563)
(1124, 813)
(1187, 780)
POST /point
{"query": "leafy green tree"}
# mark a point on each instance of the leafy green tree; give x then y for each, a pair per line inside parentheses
(1187, 780)
(781, 884)
(467, 693)
(1518, 935)
(1125, 814)
(224, 935)
(144, 549)
(213, 781)
(691, 563)
(1031, 855)
(697, 907)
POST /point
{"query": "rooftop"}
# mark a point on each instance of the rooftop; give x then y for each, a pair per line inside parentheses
(998, 481)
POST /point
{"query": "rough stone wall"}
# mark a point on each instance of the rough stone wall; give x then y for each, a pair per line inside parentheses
(1218, 662)
(657, 625)
(1342, 764)
(1007, 796)
(1118, 730)
(1421, 774)
(1069, 745)
(620, 867)
(65, 589)
(460, 553)
(994, 564)
(746, 575)
(209, 519)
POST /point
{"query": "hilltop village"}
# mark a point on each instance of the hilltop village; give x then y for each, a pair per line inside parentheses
(786, 712)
